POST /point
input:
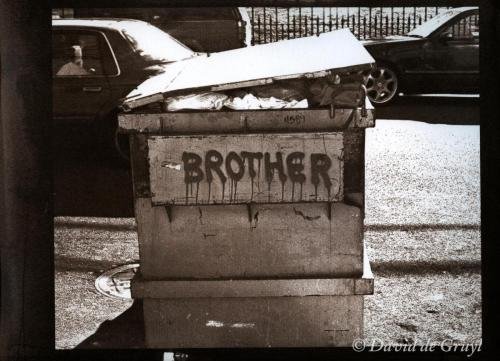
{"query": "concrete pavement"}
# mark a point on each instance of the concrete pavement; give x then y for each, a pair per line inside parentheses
(422, 231)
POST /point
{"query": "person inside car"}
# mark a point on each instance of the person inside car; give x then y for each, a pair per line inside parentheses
(75, 65)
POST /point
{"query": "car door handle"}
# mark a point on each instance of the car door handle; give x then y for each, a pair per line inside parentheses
(92, 89)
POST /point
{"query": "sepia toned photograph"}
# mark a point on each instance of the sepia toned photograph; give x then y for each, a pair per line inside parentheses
(267, 177)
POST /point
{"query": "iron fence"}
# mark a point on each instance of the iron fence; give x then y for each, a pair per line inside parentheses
(273, 24)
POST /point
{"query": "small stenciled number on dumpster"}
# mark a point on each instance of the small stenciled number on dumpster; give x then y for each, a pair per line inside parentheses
(247, 168)
(296, 119)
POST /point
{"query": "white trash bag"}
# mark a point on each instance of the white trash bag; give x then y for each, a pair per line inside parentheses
(251, 102)
(201, 101)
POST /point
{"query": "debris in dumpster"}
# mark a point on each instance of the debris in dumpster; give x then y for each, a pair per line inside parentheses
(216, 101)
(201, 101)
(285, 90)
(343, 90)
(250, 101)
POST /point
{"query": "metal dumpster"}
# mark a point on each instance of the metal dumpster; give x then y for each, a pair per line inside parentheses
(250, 224)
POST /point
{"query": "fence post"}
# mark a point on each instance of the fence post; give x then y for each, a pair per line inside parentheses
(277, 22)
(317, 25)
(300, 22)
(270, 29)
(258, 28)
(323, 19)
(392, 20)
(374, 26)
(386, 25)
(364, 27)
(370, 22)
(359, 22)
(337, 18)
(264, 25)
(288, 23)
(409, 24)
(381, 24)
(397, 25)
(252, 22)
(354, 25)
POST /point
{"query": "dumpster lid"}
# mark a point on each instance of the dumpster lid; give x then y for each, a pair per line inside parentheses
(313, 56)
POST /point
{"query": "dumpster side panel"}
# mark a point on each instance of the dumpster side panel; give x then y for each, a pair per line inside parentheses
(354, 167)
(216, 122)
(236, 241)
(262, 168)
(254, 322)
(139, 165)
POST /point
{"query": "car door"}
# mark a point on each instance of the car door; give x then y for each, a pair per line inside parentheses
(453, 55)
(82, 64)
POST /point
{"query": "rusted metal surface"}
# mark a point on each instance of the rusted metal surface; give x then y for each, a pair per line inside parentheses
(254, 313)
(354, 167)
(239, 241)
(322, 119)
(139, 165)
(235, 169)
(251, 288)
(254, 288)
(314, 321)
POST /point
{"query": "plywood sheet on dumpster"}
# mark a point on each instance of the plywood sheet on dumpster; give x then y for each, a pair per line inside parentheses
(235, 169)
(292, 58)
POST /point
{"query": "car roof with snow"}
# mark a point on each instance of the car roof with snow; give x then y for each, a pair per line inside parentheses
(108, 23)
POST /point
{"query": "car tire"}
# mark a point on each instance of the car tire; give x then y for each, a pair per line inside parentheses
(382, 84)
(115, 144)
(122, 146)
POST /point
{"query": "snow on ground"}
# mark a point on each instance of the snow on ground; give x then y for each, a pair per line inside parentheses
(419, 173)
(416, 174)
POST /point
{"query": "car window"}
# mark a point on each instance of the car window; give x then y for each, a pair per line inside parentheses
(427, 28)
(465, 29)
(82, 54)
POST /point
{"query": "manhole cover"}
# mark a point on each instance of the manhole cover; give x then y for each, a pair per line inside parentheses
(115, 283)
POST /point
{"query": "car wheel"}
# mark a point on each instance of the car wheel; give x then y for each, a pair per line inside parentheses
(381, 84)
(122, 146)
(114, 144)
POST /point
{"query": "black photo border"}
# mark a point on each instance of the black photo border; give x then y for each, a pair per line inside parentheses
(36, 281)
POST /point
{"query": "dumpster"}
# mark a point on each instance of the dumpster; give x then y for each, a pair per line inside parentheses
(250, 221)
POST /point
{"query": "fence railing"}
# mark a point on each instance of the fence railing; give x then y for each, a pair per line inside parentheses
(271, 24)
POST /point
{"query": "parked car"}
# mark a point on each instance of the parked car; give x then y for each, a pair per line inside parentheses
(439, 56)
(203, 29)
(101, 66)
(113, 56)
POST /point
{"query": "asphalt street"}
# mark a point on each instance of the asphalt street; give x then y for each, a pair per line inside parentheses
(422, 231)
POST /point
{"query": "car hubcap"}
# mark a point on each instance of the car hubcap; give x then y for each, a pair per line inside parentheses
(381, 85)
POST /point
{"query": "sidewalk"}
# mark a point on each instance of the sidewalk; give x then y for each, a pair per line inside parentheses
(422, 231)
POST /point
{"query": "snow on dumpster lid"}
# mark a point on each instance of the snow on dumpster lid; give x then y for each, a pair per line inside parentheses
(240, 68)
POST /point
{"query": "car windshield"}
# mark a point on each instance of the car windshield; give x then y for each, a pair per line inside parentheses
(429, 26)
(154, 44)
